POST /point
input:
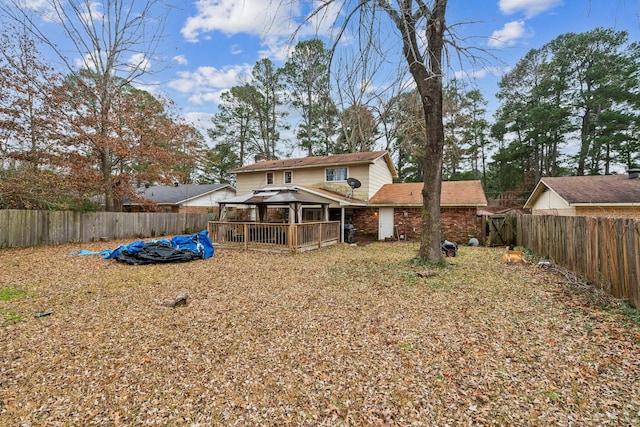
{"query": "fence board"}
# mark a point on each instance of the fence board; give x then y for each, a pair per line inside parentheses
(21, 228)
(604, 251)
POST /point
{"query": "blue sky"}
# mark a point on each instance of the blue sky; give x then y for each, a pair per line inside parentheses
(211, 45)
(218, 41)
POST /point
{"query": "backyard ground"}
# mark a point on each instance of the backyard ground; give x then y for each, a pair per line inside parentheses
(347, 335)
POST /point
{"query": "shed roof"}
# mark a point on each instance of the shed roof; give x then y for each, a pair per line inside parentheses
(590, 190)
(318, 161)
(453, 193)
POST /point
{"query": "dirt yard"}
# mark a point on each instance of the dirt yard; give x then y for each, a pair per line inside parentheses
(347, 335)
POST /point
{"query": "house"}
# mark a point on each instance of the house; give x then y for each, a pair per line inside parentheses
(345, 181)
(181, 198)
(608, 195)
(398, 210)
(356, 189)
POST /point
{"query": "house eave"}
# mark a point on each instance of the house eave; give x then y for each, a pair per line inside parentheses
(419, 205)
(607, 205)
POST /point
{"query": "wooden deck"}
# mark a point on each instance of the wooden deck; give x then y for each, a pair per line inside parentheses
(274, 236)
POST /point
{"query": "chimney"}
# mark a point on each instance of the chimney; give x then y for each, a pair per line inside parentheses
(633, 173)
(260, 158)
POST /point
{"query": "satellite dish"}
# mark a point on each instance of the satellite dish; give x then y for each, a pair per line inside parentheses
(353, 183)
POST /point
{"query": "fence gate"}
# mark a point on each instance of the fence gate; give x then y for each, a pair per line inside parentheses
(501, 230)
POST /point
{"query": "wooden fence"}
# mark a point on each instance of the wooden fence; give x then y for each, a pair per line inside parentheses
(604, 251)
(20, 228)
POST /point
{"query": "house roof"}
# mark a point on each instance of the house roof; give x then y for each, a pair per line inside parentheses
(171, 195)
(453, 193)
(590, 190)
(320, 161)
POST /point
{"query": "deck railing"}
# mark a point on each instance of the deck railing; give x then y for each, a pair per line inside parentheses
(291, 237)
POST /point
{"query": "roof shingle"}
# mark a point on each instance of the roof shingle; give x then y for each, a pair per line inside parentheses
(336, 159)
(169, 194)
(453, 193)
(618, 189)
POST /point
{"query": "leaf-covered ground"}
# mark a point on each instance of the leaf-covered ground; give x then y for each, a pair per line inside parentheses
(347, 335)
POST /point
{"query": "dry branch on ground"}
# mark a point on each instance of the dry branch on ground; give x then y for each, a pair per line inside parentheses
(346, 335)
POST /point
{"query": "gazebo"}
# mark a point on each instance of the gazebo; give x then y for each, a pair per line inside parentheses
(281, 197)
(289, 231)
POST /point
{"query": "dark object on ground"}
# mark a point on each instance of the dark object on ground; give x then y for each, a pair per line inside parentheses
(178, 249)
(449, 248)
(349, 232)
(156, 253)
(180, 299)
(43, 314)
(427, 273)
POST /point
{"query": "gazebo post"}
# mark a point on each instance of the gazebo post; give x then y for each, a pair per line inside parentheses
(292, 213)
(262, 213)
(299, 213)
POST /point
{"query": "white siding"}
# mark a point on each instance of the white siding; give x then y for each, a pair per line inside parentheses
(211, 199)
(379, 175)
(549, 203)
(371, 176)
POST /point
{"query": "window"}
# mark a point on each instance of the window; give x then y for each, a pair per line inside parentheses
(288, 177)
(269, 178)
(336, 174)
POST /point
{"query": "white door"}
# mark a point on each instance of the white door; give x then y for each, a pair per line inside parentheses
(385, 223)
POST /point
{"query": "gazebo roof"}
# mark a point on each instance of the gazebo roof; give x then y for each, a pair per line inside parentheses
(275, 196)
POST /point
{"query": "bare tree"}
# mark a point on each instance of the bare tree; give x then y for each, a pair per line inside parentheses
(107, 39)
(421, 28)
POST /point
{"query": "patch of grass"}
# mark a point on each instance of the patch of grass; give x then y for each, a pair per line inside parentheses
(424, 262)
(623, 308)
(11, 316)
(11, 294)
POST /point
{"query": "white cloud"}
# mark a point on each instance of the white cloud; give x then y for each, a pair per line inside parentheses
(206, 97)
(478, 74)
(530, 8)
(508, 35)
(139, 61)
(212, 77)
(90, 11)
(272, 21)
(256, 17)
(180, 59)
(206, 84)
(198, 119)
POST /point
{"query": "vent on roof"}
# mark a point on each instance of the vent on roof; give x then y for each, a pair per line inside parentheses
(634, 173)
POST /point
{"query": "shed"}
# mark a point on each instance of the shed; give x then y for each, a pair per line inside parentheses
(601, 195)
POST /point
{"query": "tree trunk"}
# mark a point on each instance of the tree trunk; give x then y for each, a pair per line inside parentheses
(584, 143)
(429, 83)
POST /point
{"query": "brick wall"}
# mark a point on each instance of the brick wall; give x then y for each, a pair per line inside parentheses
(366, 223)
(458, 224)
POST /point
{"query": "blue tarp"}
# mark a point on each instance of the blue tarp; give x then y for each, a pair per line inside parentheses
(178, 249)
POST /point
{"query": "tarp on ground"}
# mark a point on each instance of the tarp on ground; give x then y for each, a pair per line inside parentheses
(178, 249)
